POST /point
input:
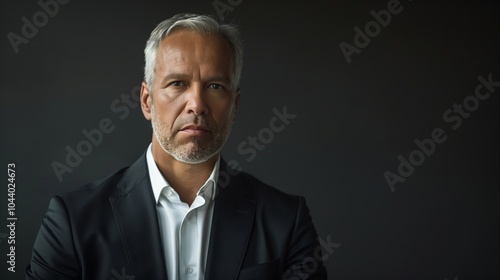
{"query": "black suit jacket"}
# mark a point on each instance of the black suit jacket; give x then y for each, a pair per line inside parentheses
(109, 230)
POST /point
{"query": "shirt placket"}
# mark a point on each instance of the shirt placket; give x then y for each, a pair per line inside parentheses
(188, 240)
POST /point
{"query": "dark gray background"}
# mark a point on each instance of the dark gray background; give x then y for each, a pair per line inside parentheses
(353, 120)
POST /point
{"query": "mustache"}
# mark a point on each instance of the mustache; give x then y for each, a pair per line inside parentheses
(198, 122)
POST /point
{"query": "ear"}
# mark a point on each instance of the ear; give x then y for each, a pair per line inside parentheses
(236, 104)
(146, 99)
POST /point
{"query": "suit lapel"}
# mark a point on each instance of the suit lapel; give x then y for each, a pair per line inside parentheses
(231, 227)
(136, 216)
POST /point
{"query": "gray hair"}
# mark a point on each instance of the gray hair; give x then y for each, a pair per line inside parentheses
(200, 23)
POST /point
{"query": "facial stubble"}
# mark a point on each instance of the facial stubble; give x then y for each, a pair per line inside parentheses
(193, 150)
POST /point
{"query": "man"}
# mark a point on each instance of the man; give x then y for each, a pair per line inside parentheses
(180, 212)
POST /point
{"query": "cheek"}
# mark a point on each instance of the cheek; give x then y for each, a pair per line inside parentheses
(223, 113)
(162, 119)
(168, 109)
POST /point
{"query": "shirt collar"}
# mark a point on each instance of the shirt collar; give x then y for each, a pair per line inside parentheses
(158, 182)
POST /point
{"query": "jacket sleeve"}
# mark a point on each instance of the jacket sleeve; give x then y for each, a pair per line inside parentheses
(54, 256)
(305, 259)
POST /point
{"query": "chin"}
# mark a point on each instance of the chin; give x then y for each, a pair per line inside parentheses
(192, 159)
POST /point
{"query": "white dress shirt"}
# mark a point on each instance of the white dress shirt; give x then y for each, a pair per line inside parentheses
(185, 230)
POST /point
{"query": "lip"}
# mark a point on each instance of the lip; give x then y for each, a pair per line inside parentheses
(194, 130)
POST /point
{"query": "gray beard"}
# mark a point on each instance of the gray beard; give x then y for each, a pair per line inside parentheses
(179, 151)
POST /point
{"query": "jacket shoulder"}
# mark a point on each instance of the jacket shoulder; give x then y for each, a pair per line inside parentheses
(268, 195)
(94, 193)
(101, 190)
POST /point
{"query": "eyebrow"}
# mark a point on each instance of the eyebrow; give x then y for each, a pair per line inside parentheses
(220, 79)
(174, 76)
(178, 76)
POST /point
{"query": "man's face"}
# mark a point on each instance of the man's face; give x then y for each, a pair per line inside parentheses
(193, 104)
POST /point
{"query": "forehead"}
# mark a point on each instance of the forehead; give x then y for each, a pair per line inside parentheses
(187, 49)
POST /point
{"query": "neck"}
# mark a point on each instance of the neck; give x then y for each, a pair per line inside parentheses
(185, 178)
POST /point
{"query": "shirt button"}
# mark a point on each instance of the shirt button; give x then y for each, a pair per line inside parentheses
(189, 270)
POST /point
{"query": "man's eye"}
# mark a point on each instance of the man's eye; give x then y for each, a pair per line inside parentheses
(177, 83)
(215, 86)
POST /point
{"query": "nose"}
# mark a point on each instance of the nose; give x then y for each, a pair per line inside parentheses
(196, 103)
